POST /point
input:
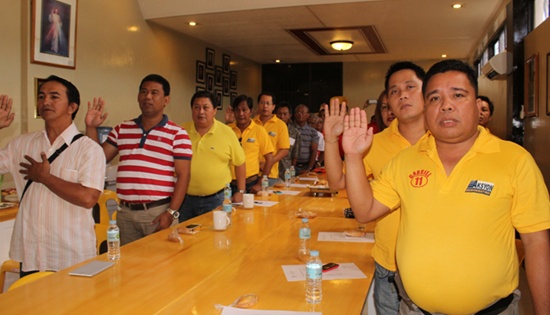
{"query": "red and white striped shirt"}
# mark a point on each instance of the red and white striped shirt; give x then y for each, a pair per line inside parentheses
(146, 166)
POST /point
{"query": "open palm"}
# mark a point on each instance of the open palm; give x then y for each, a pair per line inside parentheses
(6, 116)
(334, 119)
(95, 116)
(357, 137)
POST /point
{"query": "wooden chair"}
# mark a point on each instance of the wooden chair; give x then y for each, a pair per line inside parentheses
(30, 278)
(7, 266)
(102, 224)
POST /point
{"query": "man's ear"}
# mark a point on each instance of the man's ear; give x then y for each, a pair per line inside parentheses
(166, 100)
(73, 107)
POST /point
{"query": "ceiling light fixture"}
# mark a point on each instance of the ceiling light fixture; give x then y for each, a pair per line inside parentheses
(457, 6)
(443, 56)
(192, 23)
(341, 45)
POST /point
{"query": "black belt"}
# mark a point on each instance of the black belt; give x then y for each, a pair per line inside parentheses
(146, 205)
(208, 196)
(248, 180)
(494, 309)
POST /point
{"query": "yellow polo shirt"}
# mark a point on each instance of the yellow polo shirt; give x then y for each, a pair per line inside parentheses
(385, 146)
(455, 247)
(255, 143)
(214, 155)
(278, 133)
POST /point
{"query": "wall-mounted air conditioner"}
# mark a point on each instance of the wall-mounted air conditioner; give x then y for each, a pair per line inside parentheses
(498, 67)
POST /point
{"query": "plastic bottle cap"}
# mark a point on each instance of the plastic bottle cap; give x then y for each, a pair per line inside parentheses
(112, 222)
(304, 220)
(314, 253)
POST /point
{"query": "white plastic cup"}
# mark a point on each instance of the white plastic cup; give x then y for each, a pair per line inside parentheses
(221, 220)
(248, 201)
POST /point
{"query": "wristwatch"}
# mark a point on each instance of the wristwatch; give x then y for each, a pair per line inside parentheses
(242, 191)
(174, 213)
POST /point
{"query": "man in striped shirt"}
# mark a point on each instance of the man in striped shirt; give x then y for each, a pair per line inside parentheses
(152, 149)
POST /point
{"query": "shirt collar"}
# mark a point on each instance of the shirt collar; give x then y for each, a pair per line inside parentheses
(67, 135)
(162, 123)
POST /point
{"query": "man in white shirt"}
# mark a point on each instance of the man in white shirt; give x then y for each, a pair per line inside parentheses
(54, 228)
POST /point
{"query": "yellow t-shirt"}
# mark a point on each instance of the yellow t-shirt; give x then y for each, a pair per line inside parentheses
(386, 145)
(214, 155)
(278, 133)
(255, 143)
(455, 246)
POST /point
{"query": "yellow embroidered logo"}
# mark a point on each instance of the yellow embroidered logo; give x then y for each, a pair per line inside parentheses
(419, 178)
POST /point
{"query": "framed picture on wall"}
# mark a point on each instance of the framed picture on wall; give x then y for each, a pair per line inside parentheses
(225, 63)
(218, 76)
(219, 99)
(531, 88)
(200, 72)
(53, 33)
(233, 80)
(232, 97)
(199, 88)
(210, 82)
(225, 86)
(210, 58)
(37, 83)
(548, 84)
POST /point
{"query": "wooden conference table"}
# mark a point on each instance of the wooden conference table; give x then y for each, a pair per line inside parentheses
(156, 276)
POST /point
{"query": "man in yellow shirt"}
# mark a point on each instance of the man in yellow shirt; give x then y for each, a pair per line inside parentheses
(404, 85)
(462, 192)
(216, 150)
(255, 143)
(276, 129)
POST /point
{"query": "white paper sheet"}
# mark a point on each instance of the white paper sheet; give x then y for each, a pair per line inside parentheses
(344, 271)
(309, 178)
(239, 311)
(264, 203)
(285, 192)
(341, 237)
(299, 185)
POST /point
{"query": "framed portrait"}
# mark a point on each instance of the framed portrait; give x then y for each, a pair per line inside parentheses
(225, 86)
(210, 58)
(218, 76)
(210, 82)
(225, 63)
(53, 33)
(199, 88)
(531, 87)
(232, 97)
(233, 80)
(219, 99)
(200, 72)
(37, 83)
(548, 83)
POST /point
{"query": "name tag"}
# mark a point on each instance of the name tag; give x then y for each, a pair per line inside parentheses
(251, 140)
(272, 134)
(292, 140)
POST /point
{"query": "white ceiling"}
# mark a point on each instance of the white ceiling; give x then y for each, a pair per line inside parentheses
(257, 29)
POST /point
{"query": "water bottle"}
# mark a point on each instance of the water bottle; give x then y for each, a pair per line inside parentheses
(305, 234)
(227, 206)
(287, 178)
(292, 174)
(113, 241)
(265, 184)
(314, 278)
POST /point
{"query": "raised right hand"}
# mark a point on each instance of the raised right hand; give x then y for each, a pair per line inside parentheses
(334, 120)
(357, 137)
(6, 116)
(95, 115)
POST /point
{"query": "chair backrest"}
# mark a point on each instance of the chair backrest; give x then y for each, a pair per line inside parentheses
(103, 222)
(30, 278)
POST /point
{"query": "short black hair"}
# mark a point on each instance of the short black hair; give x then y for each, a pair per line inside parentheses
(158, 79)
(489, 102)
(282, 105)
(72, 92)
(266, 93)
(404, 65)
(451, 65)
(204, 94)
(243, 98)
